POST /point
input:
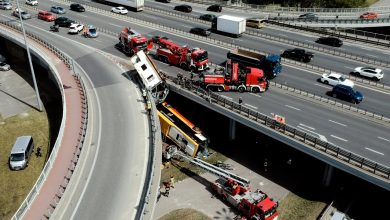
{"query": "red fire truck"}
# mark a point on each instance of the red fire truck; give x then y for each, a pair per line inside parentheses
(131, 42)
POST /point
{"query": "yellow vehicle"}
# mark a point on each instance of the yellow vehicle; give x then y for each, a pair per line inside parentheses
(175, 127)
(255, 23)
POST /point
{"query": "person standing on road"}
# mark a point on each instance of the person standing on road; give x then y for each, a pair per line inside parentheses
(167, 188)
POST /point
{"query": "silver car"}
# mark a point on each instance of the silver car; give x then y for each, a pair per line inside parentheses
(4, 67)
(24, 14)
(5, 5)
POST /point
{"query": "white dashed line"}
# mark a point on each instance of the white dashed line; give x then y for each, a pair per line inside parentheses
(341, 139)
(321, 85)
(322, 137)
(375, 151)
(338, 123)
(250, 106)
(114, 25)
(307, 126)
(289, 106)
(384, 139)
(226, 97)
(372, 55)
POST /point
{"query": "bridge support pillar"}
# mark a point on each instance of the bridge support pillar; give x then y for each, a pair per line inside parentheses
(232, 129)
(327, 175)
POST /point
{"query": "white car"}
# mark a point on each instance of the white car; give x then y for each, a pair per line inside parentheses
(32, 2)
(369, 72)
(119, 10)
(75, 28)
(335, 79)
(4, 67)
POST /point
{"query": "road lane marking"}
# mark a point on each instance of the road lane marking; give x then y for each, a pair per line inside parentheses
(375, 151)
(114, 25)
(348, 67)
(372, 55)
(321, 85)
(384, 139)
(226, 97)
(283, 35)
(338, 123)
(250, 106)
(256, 95)
(289, 106)
(322, 137)
(341, 139)
(307, 126)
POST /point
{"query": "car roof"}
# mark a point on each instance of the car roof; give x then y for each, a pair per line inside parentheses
(335, 75)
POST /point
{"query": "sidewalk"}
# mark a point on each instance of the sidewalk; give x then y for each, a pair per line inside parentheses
(195, 193)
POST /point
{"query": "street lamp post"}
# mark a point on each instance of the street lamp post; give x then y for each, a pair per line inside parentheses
(29, 58)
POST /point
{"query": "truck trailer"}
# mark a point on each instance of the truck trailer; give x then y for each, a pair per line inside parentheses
(229, 25)
(269, 64)
(138, 5)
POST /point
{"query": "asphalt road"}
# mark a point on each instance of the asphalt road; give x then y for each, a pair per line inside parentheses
(115, 177)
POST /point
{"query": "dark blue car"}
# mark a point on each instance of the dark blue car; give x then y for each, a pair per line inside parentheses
(347, 93)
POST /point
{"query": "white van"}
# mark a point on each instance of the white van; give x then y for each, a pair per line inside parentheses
(21, 152)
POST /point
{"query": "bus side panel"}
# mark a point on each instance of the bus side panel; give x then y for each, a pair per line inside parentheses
(181, 140)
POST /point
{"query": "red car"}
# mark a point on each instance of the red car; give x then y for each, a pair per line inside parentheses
(369, 15)
(46, 16)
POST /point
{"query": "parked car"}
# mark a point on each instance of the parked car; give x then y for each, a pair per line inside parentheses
(119, 10)
(347, 93)
(77, 7)
(46, 16)
(24, 14)
(335, 79)
(75, 28)
(32, 2)
(200, 31)
(331, 41)
(207, 17)
(369, 72)
(63, 22)
(5, 5)
(308, 16)
(298, 54)
(215, 8)
(369, 15)
(4, 66)
(183, 8)
(91, 32)
(57, 9)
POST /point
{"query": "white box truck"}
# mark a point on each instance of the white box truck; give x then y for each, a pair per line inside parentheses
(138, 5)
(229, 25)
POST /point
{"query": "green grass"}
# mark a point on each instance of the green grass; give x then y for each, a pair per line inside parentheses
(15, 185)
(294, 207)
(188, 214)
(370, 2)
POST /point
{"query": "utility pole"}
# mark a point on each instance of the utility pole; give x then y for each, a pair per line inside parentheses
(29, 58)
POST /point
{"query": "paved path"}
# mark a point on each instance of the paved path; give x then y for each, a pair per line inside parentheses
(195, 193)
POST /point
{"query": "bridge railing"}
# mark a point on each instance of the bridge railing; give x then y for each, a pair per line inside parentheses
(336, 21)
(332, 150)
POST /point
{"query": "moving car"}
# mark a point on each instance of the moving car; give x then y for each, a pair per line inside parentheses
(77, 7)
(298, 54)
(369, 15)
(255, 23)
(46, 16)
(308, 16)
(207, 17)
(215, 8)
(75, 28)
(57, 9)
(336, 79)
(200, 31)
(369, 72)
(91, 32)
(63, 21)
(347, 93)
(119, 10)
(24, 14)
(5, 5)
(331, 41)
(32, 2)
(165, 1)
(4, 66)
(183, 8)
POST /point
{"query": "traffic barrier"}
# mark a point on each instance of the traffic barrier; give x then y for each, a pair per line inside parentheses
(360, 162)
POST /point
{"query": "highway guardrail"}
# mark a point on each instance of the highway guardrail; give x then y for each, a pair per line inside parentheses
(332, 150)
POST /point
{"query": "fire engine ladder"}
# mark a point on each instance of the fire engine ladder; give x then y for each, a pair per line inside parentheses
(213, 169)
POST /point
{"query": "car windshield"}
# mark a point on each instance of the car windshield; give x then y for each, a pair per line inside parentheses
(201, 57)
(17, 157)
(92, 31)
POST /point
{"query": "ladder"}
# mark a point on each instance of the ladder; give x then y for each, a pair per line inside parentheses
(213, 169)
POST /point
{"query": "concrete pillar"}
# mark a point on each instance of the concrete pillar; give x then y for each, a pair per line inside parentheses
(232, 129)
(327, 175)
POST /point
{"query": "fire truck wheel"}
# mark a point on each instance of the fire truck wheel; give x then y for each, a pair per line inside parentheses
(255, 90)
(241, 89)
(220, 89)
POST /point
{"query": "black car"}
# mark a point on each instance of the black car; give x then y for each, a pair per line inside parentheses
(331, 41)
(164, 1)
(200, 31)
(347, 93)
(63, 21)
(298, 54)
(77, 7)
(308, 16)
(215, 8)
(183, 8)
(207, 17)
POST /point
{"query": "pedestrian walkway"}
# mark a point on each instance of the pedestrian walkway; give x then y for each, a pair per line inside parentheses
(195, 193)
